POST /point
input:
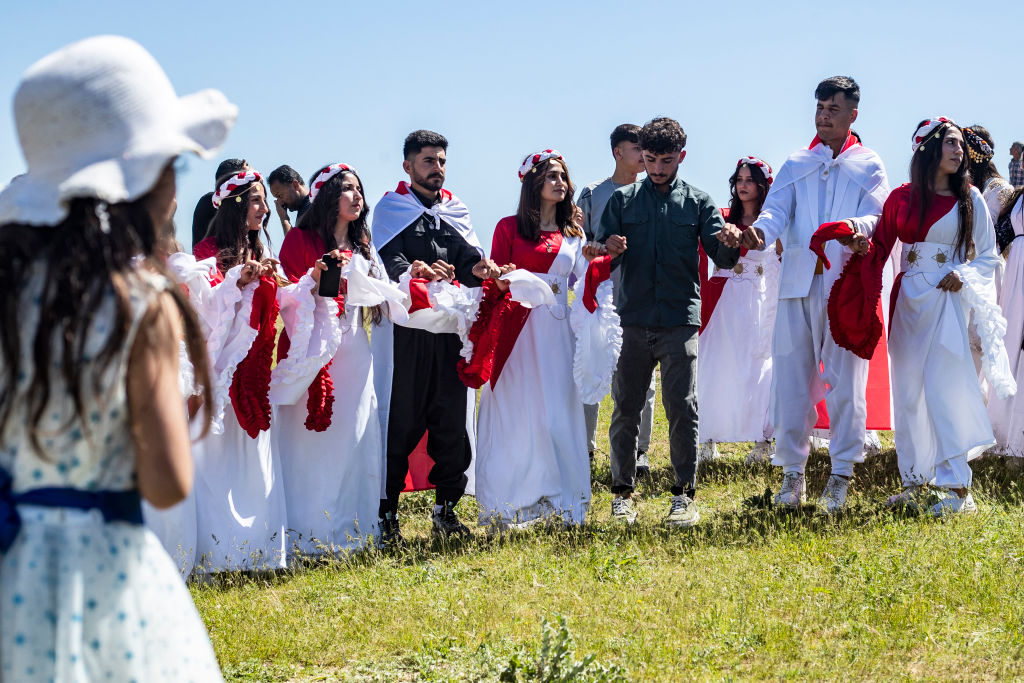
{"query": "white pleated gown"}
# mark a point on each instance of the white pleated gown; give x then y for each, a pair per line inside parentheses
(532, 459)
(332, 478)
(734, 363)
(940, 413)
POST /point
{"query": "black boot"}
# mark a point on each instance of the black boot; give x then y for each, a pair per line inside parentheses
(389, 535)
(446, 522)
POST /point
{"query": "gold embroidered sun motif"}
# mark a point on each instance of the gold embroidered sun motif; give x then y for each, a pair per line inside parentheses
(760, 270)
(738, 269)
(555, 288)
(913, 256)
(941, 258)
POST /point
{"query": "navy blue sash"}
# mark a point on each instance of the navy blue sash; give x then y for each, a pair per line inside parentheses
(115, 506)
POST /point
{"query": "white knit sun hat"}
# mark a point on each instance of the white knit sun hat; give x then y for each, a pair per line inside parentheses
(99, 118)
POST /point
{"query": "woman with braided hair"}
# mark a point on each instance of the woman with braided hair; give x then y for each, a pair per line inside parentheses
(984, 174)
(327, 432)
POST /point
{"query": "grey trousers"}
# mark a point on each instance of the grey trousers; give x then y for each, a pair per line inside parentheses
(675, 348)
(591, 410)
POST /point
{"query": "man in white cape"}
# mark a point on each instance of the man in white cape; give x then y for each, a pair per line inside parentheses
(423, 232)
(834, 179)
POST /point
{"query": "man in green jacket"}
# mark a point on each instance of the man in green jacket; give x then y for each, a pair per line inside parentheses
(662, 218)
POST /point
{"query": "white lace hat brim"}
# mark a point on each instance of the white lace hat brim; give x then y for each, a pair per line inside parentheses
(40, 197)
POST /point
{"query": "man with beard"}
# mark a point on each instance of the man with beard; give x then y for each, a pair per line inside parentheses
(834, 179)
(290, 194)
(424, 231)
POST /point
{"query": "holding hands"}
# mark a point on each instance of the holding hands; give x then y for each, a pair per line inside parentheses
(615, 245)
(253, 270)
(752, 238)
(503, 285)
(730, 236)
(486, 269)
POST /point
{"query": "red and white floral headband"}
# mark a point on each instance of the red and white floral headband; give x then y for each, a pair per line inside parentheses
(232, 184)
(927, 129)
(534, 159)
(761, 164)
(325, 174)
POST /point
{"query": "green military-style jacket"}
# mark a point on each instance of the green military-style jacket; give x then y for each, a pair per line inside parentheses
(660, 285)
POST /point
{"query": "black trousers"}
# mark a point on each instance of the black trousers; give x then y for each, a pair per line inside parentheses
(427, 394)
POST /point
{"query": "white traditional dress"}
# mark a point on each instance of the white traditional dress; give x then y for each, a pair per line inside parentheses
(734, 367)
(240, 508)
(326, 434)
(940, 414)
(532, 459)
(81, 598)
(1008, 414)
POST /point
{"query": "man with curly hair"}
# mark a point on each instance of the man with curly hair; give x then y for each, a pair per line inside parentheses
(662, 218)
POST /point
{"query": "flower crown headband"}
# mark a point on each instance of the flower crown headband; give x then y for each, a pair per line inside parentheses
(761, 164)
(927, 130)
(979, 150)
(534, 159)
(232, 184)
(325, 174)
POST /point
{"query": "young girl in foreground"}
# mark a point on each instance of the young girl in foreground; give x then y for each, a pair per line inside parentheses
(91, 416)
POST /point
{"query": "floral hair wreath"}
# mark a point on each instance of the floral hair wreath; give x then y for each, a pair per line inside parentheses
(534, 159)
(979, 150)
(232, 184)
(325, 174)
(761, 164)
(927, 130)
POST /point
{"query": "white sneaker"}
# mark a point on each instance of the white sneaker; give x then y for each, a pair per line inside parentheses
(953, 504)
(910, 497)
(872, 444)
(793, 493)
(623, 510)
(833, 498)
(682, 511)
(708, 452)
(819, 443)
(761, 453)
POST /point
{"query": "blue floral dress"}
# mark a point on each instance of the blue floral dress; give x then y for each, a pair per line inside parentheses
(81, 598)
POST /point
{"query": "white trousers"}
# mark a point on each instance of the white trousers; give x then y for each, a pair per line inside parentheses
(807, 366)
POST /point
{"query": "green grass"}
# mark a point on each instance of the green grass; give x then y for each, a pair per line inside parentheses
(749, 594)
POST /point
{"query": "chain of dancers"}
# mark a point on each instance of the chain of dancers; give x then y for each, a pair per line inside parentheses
(380, 351)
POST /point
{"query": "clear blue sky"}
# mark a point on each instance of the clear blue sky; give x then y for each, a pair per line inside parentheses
(339, 81)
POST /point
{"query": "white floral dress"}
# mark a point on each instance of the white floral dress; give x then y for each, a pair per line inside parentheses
(82, 599)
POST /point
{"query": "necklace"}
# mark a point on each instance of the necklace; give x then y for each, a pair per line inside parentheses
(548, 238)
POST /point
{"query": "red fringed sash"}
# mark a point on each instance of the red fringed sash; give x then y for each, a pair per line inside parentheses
(250, 385)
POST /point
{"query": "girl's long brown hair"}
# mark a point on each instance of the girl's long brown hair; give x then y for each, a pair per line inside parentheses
(923, 166)
(528, 213)
(322, 216)
(228, 228)
(735, 205)
(84, 262)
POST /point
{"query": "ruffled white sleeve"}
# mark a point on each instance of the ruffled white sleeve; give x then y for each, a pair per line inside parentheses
(598, 339)
(224, 311)
(979, 294)
(314, 333)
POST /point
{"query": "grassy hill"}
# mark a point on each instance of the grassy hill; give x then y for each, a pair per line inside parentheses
(749, 594)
